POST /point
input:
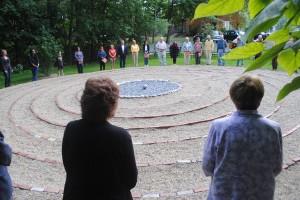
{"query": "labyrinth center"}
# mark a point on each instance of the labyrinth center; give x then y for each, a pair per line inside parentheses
(168, 131)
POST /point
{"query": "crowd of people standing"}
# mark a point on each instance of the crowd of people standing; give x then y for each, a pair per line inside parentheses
(188, 48)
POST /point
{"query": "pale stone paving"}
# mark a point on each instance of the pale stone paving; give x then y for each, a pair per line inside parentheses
(169, 158)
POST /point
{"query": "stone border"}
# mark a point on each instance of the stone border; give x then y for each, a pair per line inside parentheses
(187, 161)
(60, 106)
(137, 195)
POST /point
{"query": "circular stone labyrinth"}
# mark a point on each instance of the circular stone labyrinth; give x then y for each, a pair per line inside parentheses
(168, 131)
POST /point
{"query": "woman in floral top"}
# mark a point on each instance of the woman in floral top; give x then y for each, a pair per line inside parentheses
(243, 153)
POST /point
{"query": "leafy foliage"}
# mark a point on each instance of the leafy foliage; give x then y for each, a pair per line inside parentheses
(285, 42)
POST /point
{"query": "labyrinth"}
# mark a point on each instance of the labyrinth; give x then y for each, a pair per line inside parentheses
(168, 131)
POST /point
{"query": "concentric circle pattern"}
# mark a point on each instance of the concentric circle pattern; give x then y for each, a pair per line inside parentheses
(168, 131)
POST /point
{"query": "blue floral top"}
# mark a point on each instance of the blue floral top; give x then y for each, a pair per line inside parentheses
(243, 154)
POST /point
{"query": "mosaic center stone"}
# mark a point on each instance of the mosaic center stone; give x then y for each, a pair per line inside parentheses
(147, 88)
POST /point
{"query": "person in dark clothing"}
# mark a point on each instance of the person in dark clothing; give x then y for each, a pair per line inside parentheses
(59, 63)
(274, 63)
(102, 57)
(34, 64)
(5, 67)
(221, 47)
(122, 52)
(98, 157)
(146, 51)
(6, 188)
(174, 51)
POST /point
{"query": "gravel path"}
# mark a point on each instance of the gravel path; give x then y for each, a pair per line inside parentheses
(168, 131)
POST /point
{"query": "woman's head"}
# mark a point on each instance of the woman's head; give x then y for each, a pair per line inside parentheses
(112, 46)
(101, 48)
(99, 100)
(133, 41)
(247, 92)
(3, 52)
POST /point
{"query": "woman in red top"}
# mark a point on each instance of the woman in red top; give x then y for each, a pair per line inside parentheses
(112, 55)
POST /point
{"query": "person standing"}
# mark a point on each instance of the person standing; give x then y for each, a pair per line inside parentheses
(243, 152)
(5, 68)
(146, 51)
(187, 49)
(6, 188)
(79, 60)
(238, 42)
(59, 63)
(112, 52)
(259, 39)
(122, 52)
(98, 157)
(102, 57)
(198, 51)
(135, 53)
(209, 47)
(174, 52)
(161, 48)
(34, 64)
(221, 47)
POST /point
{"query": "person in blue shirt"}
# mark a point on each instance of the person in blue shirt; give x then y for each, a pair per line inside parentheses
(243, 152)
(238, 43)
(221, 46)
(79, 60)
(6, 188)
(102, 57)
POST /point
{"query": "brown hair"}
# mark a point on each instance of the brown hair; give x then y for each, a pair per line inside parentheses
(99, 99)
(247, 92)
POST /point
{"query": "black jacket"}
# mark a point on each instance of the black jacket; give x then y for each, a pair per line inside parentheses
(174, 50)
(5, 64)
(99, 162)
(122, 53)
(33, 59)
(148, 47)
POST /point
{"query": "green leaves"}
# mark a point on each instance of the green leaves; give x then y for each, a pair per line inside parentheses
(289, 60)
(218, 8)
(288, 88)
(265, 58)
(255, 6)
(266, 18)
(246, 51)
(279, 36)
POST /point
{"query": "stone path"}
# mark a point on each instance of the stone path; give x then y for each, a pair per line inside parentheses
(168, 131)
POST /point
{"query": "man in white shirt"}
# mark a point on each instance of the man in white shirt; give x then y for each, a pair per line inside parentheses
(187, 49)
(161, 48)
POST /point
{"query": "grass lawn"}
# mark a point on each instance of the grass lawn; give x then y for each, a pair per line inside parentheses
(26, 75)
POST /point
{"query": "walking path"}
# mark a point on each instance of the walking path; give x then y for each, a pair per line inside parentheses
(168, 131)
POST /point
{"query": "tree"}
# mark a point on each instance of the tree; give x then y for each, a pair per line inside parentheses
(263, 15)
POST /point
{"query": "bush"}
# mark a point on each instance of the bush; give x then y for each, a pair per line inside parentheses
(18, 69)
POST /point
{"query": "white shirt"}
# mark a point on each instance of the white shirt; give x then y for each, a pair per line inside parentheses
(123, 47)
(161, 46)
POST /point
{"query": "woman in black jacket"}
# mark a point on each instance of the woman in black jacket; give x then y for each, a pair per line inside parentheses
(174, 51)
(98, 157)
(5, 67)
(146, 50)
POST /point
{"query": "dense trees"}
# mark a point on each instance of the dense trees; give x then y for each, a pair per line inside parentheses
(52, 25)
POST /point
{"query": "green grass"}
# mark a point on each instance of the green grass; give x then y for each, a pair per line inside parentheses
(26, 75)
